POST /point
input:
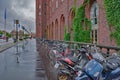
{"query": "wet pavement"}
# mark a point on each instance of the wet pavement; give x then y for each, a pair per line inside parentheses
(22, 62)
(3, 42)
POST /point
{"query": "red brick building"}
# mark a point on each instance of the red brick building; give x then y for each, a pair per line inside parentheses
(53, 15)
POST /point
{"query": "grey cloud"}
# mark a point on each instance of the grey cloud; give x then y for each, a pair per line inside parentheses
(23, 10)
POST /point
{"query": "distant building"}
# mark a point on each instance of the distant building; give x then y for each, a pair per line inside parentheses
(20, 34)
(53, 15)
(33, 35)
(13, 33)
(4, 31)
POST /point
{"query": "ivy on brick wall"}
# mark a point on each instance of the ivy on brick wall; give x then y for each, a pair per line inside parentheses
(66, 35)
(81, 25)
(112, 8)
(74, 6)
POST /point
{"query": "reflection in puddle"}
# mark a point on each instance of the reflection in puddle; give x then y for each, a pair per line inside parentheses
(22, 62)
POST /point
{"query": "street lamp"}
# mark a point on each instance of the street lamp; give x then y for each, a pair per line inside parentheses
(25, 29)
(17, 22)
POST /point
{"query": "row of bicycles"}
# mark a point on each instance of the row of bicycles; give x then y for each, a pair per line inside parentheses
(83, 63)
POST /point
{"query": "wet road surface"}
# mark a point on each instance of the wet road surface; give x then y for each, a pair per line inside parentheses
(22, 62)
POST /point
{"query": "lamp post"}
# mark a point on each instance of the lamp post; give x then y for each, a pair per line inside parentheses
(25, 29)
(17, 48)
(5, 25)
(17, 22)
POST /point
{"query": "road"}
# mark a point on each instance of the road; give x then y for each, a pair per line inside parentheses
(22, 62)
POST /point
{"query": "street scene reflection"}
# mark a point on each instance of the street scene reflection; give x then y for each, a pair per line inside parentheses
(22, 62)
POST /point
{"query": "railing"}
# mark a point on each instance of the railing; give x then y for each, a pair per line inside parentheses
(104, 49)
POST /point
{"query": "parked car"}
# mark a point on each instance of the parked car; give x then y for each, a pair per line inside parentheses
(1, 36)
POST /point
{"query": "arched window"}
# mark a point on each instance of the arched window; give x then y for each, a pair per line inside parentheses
(94, 13)
(56, 3)
(47, 34)
(56, 29)
(62, 0)
(50, 32)
(52, 29)
(71, 16)
(62, 24)
(94, 20)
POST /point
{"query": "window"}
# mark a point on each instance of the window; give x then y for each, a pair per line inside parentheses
(94, 21)
(62, 0)
(50, 3)
(39, 10)
(39, 6)
(56, 3)
(95, 36)
(92, 36)
(94, 13)
(52, 9)
(39, 24)
(39, 13)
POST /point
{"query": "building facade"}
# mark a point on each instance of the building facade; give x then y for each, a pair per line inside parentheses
(20, 34)
(52, 16)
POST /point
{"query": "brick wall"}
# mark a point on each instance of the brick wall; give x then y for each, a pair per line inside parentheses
(54, 14)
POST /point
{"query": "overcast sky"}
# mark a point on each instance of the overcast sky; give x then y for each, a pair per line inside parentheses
(23, 10)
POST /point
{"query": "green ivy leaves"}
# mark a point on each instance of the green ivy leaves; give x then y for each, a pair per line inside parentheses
(81, 34)
(112, 8)
(66, 35)
(81, 25)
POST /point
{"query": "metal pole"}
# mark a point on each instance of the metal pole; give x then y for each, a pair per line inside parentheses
(17, 22)
(5, 25)
(16, 33)
(5, 29)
